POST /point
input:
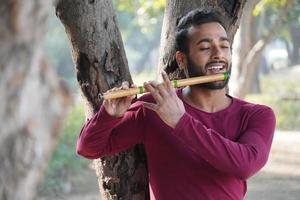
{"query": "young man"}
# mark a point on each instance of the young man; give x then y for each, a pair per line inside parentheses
(200, 142)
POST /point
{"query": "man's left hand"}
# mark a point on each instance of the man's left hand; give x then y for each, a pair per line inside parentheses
(168, 105)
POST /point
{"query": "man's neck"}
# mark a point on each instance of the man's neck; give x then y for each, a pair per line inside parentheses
(205, 99)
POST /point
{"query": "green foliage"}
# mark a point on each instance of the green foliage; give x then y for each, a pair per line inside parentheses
(282, 95)
(264, 5)
(272, 7)
(266, 12)
(65, 164)
(151, 9)
(144, 14)
(140, 22)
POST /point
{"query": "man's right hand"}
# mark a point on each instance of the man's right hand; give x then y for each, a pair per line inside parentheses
(117, 107)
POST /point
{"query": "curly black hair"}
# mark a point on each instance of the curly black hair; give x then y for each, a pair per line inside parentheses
(195, 18)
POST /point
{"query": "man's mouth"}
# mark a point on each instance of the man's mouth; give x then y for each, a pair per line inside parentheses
(216, 67)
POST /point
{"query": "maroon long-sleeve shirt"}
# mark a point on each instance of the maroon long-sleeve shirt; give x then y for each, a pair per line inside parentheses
(207, 156)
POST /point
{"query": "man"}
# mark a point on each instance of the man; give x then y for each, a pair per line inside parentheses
(200, 142)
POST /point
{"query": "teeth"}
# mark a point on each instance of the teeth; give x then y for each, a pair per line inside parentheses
(215, 67)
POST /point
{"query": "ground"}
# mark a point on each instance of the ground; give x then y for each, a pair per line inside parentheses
(278, 180)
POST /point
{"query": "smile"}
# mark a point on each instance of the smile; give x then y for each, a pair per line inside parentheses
(216, 67)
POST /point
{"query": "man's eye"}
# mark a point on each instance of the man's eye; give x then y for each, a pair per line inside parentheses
(224, 47)
(203, 48)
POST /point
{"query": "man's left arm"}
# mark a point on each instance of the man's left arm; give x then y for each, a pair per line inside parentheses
(241, 158)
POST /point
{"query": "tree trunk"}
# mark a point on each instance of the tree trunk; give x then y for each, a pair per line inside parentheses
(246, 38)
(100, 63)
(33, 103)
(248, 34)
(295, 37)
(248, 67)
(232, 11)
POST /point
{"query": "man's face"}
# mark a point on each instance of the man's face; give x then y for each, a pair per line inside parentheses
(209, 53)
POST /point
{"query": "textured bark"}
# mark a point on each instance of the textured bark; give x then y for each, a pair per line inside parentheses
(33, 103)
(101, 64)
(175, 9)
(248, 65)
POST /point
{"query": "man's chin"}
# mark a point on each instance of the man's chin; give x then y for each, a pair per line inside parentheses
(214, 85)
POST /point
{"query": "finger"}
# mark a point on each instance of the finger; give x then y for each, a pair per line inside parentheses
(105, 102)
(133, 85)
(114, 89)
(133, 96)
(127, 101)
(150, 87)
(150, 106)
(160, 87)
(154, 84)
(166, 80)
(125, 85)
(162, 90)
(110, 90)
(130, 98)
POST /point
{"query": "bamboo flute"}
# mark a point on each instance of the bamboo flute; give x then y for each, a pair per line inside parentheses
(175, 83)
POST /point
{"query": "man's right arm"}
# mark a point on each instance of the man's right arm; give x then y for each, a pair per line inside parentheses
(112, 129)
(105, 135)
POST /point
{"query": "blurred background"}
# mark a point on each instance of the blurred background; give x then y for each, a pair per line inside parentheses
(276, 82)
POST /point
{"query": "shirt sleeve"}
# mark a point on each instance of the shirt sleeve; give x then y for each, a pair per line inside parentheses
(241, 158)
(104, 135)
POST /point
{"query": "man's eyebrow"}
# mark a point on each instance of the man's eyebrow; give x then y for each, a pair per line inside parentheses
(224, 39)
(204, 40)
(210, 40)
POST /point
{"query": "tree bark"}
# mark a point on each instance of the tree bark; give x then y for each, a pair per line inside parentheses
(100, 64)
(175, 9)
(33, 103)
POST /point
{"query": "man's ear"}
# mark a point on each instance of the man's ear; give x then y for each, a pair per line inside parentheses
(181, 60)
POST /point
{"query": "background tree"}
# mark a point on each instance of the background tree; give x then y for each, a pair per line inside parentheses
(253, 40)
(33, 103)
(100, 64)
(294, 51)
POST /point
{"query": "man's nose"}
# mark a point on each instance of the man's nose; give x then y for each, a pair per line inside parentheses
(216, 52)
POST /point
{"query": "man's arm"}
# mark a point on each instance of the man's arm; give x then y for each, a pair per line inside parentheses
(112, 129)
(241, 158)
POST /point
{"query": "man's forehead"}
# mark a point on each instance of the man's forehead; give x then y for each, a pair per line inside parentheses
(213, 30)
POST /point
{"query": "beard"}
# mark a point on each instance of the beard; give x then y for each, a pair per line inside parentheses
(194, 71)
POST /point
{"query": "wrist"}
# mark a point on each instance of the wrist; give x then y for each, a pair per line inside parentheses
(177, 119)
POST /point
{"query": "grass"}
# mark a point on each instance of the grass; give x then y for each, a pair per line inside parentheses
(65, 164)
(283, 96)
